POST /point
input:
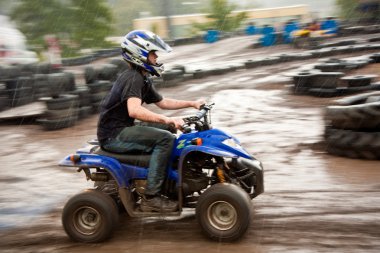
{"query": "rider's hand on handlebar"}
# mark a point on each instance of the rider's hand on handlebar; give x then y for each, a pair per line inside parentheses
(177, 122)
(198, 103)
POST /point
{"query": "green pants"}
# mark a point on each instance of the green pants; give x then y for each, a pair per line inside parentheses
(146, 139)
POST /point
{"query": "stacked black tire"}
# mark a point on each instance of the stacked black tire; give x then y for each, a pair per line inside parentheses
(327, 80)
(353, 126)
(15, 90)
(62, 111)
(62, 107)
(23, 84)
(99, 80)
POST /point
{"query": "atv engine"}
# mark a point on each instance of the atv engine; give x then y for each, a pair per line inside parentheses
(194, 180)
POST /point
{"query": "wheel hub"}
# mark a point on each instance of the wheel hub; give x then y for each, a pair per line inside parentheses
(86, 220)
(222, 215)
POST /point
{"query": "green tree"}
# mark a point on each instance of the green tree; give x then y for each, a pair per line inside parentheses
(77, 23)
(91, 22)
(36, 18)
(348, 9)
(221, 17)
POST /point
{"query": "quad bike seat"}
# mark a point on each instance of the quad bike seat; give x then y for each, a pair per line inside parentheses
(133, 158)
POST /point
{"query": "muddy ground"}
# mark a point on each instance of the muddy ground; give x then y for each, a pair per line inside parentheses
(313, 202)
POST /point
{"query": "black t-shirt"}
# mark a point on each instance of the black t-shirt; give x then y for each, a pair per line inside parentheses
(114, 114)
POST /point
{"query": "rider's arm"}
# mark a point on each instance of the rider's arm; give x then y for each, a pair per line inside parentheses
(136, 111)
(172, 104)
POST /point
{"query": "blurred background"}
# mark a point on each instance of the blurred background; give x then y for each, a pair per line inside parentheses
(81, 25)
(263, 63)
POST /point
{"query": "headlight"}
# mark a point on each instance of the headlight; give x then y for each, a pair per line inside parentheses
(231, 142)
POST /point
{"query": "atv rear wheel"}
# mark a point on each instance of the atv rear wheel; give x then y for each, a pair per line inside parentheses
(90, 216)
(224, 212)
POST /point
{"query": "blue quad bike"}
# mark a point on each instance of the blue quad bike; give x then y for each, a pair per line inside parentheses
(209, 171)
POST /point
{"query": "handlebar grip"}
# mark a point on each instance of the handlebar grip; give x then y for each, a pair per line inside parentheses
(201, 114)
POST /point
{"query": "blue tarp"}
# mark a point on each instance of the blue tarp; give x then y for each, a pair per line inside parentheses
(211, 36)
(269, 36)
(250, 30)
(331, 25)
(288, 29)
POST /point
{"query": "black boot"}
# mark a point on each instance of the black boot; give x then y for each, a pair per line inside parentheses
(158, 204)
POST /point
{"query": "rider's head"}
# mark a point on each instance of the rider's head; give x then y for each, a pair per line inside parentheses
(139, 48)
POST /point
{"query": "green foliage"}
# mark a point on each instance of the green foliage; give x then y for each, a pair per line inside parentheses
(347, 8)
(222, 17)
(77, 23)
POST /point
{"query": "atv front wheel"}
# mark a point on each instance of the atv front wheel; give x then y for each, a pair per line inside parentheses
(224, 212)
(90, 216)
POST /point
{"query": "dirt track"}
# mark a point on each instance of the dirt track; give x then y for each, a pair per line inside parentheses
(313, 202)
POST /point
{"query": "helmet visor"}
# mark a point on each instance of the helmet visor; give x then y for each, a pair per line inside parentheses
(156, 40)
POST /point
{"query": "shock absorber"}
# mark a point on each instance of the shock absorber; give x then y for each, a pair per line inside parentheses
(220, 174)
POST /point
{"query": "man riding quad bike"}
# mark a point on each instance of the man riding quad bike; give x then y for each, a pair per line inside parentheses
(149, 171)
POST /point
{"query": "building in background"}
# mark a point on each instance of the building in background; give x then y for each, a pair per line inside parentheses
(181, 24)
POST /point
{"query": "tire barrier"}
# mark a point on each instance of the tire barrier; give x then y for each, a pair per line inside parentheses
(355, 117)
(333, 65)
(98, 91)
(374, 39)
(82, 60)
(375, 58)
(19, 91)
(353, 126)
(26, 89)
(200, 73)
(70, 81)
(102, 72)
(339, 43)
(62, 102)
(84, 96)
(9, 72)
(108, 72)
(99, 86)
(358, 80)
(326, 80)
(221, 70)
(41, 86)
(61, 83)
(85, 106)
(90, 74)
(330, 84)
(122, 65)
(179, 67)
(324, 52)
(62, 112)
(171, 78)
(51, 124)
(172, 74)
(271, 60)
(353, 144)
(253, 63)
(3, 103)
(85, 111)
(306, 82)
(354, 30)
(3, 97)
(78, 60)
(285, 57)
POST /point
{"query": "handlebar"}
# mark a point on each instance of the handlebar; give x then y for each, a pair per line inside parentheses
(196, 120)
(204, 109)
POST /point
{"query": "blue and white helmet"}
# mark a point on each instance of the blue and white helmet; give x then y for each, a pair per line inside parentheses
(136, 47)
